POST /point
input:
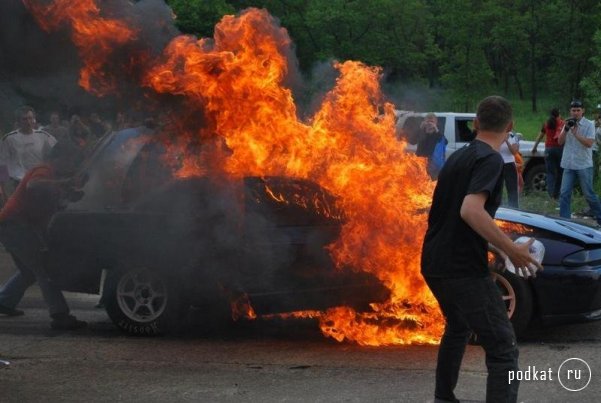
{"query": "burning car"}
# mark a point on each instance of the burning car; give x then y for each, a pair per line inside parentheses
(569, 287)
(169, 243)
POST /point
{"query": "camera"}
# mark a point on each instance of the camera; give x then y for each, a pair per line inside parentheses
(570, 123)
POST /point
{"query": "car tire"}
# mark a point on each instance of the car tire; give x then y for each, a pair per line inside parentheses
(142, 301)
(536, 178)
(517, 296)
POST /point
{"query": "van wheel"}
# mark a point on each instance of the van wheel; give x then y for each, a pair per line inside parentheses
(517, 297)
(536, 178)
(142, 301)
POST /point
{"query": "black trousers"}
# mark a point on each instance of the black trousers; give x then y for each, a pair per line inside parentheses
(474, 305)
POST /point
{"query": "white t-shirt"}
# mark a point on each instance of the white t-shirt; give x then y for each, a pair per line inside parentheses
(20, 152)
(504, 150)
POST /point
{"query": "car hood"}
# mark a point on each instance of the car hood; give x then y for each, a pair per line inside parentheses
(565, 227)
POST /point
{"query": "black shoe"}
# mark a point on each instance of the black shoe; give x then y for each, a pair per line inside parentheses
(66, 322)
(4, 310)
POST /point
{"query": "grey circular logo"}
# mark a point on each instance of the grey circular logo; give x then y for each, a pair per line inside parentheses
(574, 374)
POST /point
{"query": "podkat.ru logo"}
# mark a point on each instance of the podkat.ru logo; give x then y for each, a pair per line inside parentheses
(573, 374)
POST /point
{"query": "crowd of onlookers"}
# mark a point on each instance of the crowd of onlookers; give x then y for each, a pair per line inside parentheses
(571, 156)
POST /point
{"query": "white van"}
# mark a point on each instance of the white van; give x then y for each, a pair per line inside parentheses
(458, 130)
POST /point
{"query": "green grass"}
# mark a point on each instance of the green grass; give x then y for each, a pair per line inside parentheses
(540, 202)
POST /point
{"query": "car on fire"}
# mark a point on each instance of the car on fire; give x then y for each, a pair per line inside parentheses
(569, 287)
(167, 244)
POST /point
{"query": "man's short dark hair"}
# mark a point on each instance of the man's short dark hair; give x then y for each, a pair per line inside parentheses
(494, 113)
(22, 111)
(576, 103)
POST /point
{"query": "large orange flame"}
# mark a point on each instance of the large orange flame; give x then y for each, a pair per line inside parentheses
(94, 36)
(348, 146)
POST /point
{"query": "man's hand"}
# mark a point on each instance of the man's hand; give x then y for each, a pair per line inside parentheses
(473, 213)
(524, 263)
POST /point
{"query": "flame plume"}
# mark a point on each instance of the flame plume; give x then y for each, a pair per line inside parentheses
(236, 81)
(94, 36)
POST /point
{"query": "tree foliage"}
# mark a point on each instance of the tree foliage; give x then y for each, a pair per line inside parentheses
(464, 48)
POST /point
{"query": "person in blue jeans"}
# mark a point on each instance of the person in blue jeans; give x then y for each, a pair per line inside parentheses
(454, 257)
(577, 137)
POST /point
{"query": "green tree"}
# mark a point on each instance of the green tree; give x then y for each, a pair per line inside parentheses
(463, 50)
(574, 28)
(591, 84)
(464, 68)
(198, 17)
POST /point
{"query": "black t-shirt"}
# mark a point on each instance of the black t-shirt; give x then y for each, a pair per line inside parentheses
(451, 247)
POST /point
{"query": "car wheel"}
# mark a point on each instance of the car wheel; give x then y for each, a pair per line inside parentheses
(536, 178)
(142, 301)
(517, 297)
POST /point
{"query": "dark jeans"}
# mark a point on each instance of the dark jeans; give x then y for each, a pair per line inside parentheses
(475, 305)
(554, 171)
(510, 177)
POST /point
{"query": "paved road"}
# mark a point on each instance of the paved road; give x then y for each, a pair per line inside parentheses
(263, 361)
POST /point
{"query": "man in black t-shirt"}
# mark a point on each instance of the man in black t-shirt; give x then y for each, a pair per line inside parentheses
(454, 257)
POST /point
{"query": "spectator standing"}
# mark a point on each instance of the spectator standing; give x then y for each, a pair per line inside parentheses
(553, 152)
(80, 133)
(454, 257)
(24, 148)
(431, 144)
(510, 146)
(98, 128)
(55, 127)
(577, 136)
(121, 121)
(23, 222)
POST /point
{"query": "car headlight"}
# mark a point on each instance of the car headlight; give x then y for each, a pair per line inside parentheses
(583, 257)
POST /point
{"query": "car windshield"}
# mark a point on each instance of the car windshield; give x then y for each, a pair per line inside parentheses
(105, 170)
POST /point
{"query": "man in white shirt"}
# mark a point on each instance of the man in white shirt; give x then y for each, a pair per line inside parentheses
(510, 173)
(22, 149)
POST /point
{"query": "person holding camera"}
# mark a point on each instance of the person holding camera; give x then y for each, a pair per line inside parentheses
(577, 136)
(431, 144)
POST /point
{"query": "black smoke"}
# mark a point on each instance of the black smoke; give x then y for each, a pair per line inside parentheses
(41, 68)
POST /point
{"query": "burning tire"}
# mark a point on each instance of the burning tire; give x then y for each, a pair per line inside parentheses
(143, 302)
(517, 296)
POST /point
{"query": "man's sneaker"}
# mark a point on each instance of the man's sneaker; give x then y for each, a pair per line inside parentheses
(66, 322)
(4, 310)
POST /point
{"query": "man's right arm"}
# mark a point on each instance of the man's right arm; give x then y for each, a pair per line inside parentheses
(473, 213)
(561, 139)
